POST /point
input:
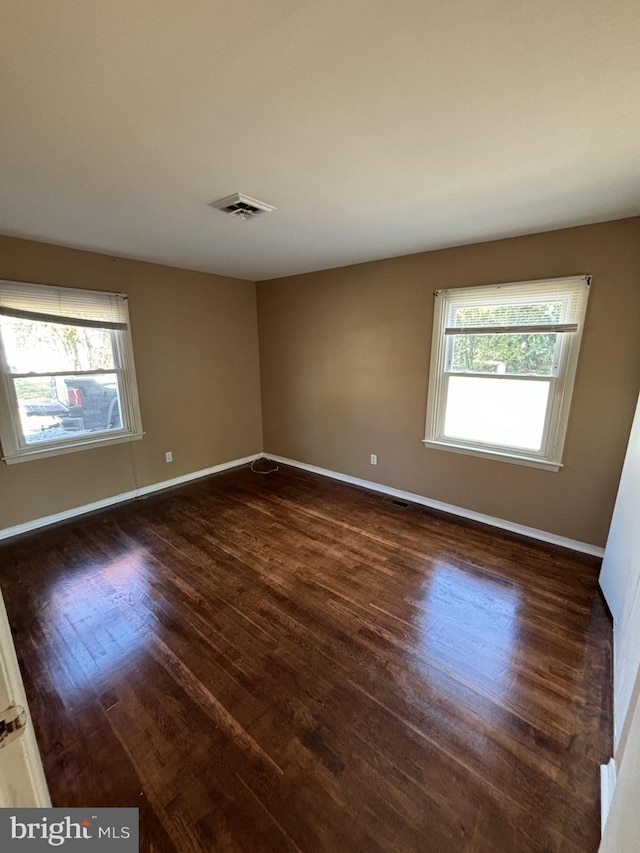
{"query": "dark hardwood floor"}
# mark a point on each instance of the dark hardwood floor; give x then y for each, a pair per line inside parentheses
(283, 662)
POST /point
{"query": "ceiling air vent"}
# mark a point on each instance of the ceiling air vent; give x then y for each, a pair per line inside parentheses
(242, 206)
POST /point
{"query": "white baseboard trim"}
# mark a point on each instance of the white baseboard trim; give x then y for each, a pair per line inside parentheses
(512, 527)
(7, 532)
(607, 786)
(530, 532)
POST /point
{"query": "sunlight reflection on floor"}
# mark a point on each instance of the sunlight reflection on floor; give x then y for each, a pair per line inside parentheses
(89, 638)
(470, 625)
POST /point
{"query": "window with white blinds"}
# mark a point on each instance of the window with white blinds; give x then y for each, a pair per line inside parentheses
(68, 377)
(503, 363)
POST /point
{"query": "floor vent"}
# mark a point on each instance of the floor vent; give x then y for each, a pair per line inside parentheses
(397, 502)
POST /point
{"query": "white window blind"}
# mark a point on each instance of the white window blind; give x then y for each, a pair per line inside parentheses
(548, 306)
(90, 308)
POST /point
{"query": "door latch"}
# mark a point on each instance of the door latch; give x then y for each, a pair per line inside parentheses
(13, 721)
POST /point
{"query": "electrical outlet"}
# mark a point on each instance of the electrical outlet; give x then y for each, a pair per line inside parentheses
(374, 458)
(168, 456)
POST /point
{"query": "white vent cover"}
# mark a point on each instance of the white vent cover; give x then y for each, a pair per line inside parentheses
(242, 206)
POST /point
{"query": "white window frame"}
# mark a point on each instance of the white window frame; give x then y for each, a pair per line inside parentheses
(561, 382)
(14, 447)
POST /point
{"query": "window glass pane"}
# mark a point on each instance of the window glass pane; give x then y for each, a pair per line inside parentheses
(60, 408)
(36, 347)
(532, 354)
(514, 313)
(507, 412)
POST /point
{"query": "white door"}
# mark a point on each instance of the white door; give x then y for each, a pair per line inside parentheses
(22, 781)
(620, 579)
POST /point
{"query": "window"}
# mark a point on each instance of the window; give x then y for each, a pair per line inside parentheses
(503, 363)
(68, 379)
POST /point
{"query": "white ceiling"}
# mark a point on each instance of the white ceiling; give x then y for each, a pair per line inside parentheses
(377, 128)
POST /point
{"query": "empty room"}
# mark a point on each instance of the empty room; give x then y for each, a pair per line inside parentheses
(320, 461)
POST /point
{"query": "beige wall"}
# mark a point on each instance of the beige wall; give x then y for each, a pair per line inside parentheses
(196, 351)
(344, 362)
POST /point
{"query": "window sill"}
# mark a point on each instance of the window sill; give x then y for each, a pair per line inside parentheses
(513, 458)
(25, 455)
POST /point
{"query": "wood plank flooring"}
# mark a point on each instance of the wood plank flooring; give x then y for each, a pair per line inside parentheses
(283, 662)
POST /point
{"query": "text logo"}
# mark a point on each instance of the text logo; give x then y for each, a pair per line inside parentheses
(104, 830)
